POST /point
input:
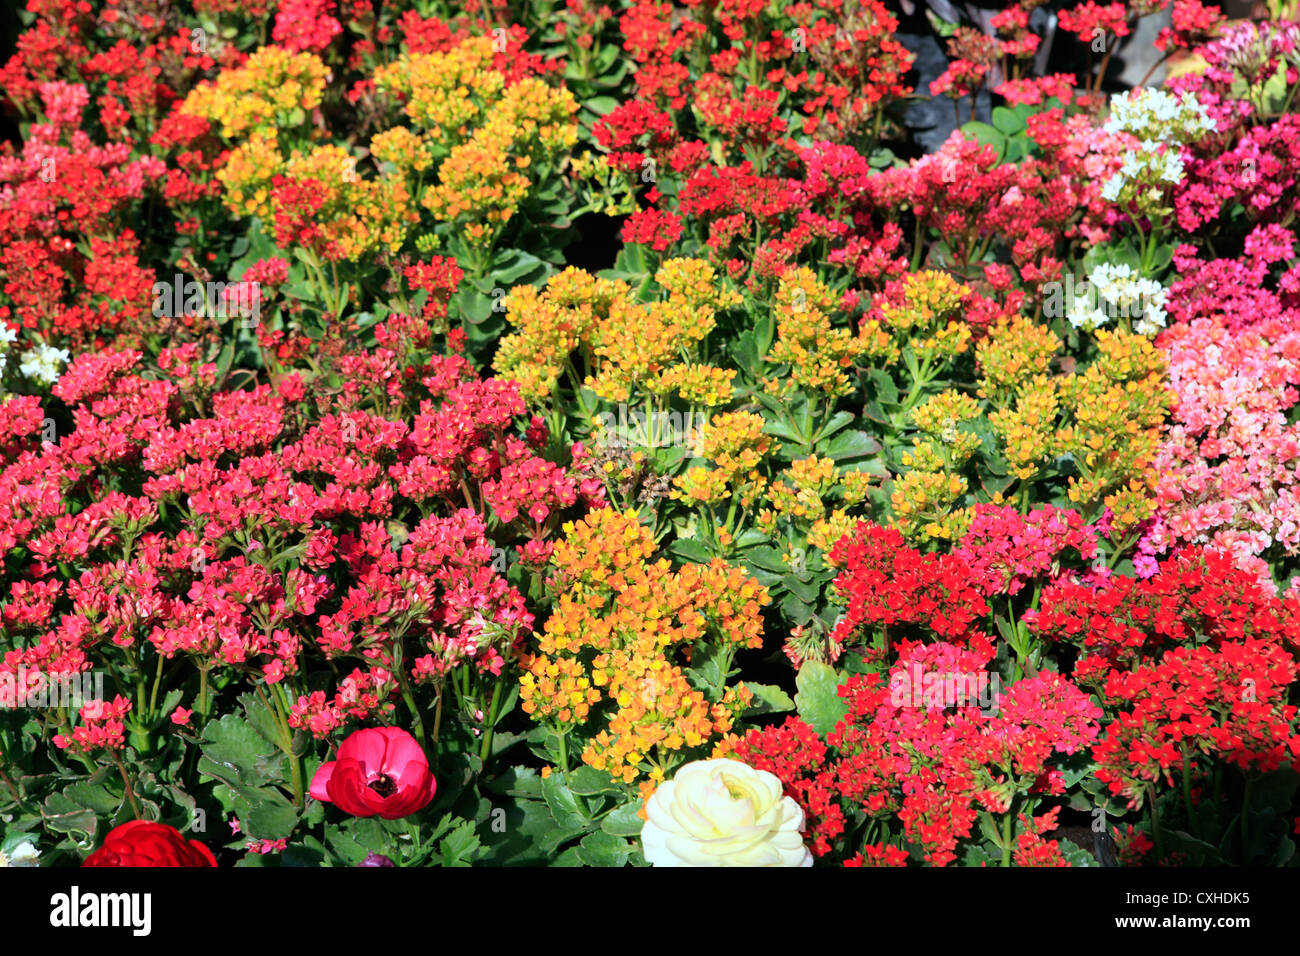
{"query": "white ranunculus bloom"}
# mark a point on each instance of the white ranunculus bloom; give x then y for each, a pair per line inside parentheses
(24, 854)
(723, 813)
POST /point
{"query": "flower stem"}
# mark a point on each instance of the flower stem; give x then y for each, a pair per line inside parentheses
(1155, 822)
(10, 784)
(130, 791)
(153, 694)
(409, 697)
(1187, 793)
(203, 693)
(1245, 817)
(1008, 827)
(486, 750)
(437, 714)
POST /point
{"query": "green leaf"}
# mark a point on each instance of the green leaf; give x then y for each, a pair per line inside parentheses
(233, 743)
(460, 846)
(588, 781)
(766, 558)
(260, 717)
(1122, 252)
(1076, 855)
(570, 857)
(94, 797)
(631, 261)
(768, 699)
(807, 591)
(564, 806)
(224, 360)
(985, 135)
(691, 550)
(63, 816)
(514, 266)
(1008, 121)
(521, 837)
(796, 611)
(839, 421)
(600, 105)
(270, 820)
(819, 704)
(517, 782)
(604, 849)
(1199, 853)
(624, 821)
(886, 391)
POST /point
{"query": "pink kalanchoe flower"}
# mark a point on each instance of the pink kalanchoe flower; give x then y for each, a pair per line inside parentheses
(306, 25)
(380, 771)
(181, 717)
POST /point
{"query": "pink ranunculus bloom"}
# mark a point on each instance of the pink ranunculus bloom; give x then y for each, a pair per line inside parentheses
(379, 771)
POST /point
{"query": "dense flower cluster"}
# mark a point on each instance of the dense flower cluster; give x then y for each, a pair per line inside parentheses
(938, 768)
(605, 414)
(614, 647)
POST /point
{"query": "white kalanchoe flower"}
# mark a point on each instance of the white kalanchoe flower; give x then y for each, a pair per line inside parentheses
(7, 335)
(43, 364)
(1118, 291)
(1143, 169)
(1151, 114)
(1084, 313)
(723, 813)
(1112, 187)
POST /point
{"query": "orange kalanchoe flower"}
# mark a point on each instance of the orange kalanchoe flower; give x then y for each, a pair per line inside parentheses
(613, 654)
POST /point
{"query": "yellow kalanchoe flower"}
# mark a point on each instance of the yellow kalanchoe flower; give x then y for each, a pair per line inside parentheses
(248, 173)
(274, 88)
(403, 148)
(1029, 430)
(625, 346)
(818, 354)
(635, 345)
(532, 118)
(857, 485)
(551, 324)
(358, 215)
(445, 93)
(734, 442)
(487, 135)
(696, 282)
(826, 531)
(480, 183)
(615, 638)
(698, 384)
(1014, 351)
(928, 320)
(925, 505)
(1116, 409)
(812, 474)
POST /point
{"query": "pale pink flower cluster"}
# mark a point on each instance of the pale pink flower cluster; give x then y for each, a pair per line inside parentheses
(1230, 464)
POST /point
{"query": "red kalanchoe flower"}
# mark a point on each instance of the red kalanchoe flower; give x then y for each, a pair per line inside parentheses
(145, 843)
(380, 771)
(1089, 20)
(653, 227)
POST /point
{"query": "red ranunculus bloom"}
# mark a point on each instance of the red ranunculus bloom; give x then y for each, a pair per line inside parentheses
(145, 843)
(380, 770)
